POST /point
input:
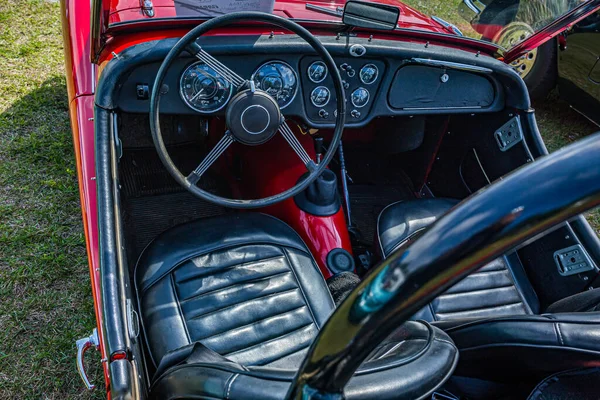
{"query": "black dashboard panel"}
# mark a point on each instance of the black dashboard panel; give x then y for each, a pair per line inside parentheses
(407, 83)
(426, 87)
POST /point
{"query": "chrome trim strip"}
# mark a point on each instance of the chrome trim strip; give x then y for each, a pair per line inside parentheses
(472, 6)
(338, 12)
(441, 108)
(447, 24)
(452, 65)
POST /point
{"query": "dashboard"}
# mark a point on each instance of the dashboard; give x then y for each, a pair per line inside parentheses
(375, 86)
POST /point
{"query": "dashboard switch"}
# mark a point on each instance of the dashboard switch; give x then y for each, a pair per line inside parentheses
(345, 84)
(142, 91)
(357, 50)
(355, 114)
(323, 113)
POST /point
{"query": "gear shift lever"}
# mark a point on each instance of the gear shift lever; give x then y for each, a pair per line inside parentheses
(318, 142)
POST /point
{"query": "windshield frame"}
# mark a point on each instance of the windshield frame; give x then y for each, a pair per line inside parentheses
(120, 28)
(101, 30)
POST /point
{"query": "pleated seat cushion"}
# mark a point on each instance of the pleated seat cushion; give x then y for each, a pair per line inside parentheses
(238, 286)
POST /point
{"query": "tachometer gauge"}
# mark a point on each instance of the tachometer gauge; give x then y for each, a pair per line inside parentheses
(203, 89)
(320, 96)
(279, 80)
(360, 97)
(368, 74)
(317, 71)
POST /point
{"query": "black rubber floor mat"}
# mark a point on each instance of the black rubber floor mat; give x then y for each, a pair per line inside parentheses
(143, 174)
(367, 201)
(147, 217)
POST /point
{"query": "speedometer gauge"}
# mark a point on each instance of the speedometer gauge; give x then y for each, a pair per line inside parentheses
(279, 80)
(203, 89)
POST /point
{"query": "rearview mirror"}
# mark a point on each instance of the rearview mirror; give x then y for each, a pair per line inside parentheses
(370, 15)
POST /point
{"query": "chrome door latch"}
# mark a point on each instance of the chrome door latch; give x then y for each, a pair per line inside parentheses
(83, 345)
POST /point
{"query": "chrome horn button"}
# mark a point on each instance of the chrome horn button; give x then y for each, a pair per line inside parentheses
(253, 117)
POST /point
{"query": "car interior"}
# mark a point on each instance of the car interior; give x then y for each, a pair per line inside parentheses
(227, 301)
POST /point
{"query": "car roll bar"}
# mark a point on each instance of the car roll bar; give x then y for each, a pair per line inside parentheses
(511, 211)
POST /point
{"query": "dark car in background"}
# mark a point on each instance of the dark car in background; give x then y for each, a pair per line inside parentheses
(571, 61)
(508, 22)
(579, 67)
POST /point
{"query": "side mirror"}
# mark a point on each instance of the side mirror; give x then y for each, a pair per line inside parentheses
(370, 15)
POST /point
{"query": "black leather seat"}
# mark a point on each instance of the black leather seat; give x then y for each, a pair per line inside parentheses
(491, 314)
(230, 305)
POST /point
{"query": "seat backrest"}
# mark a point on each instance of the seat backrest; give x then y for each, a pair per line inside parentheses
(488, 292)
(499, 288)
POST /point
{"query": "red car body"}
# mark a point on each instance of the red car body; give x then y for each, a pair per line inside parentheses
(123, 24)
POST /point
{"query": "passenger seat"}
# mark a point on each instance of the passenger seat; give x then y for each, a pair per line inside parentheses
(493, 315)
(493, 291)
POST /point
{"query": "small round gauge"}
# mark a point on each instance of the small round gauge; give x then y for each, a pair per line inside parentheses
(203, 89)
(368, 74)
(277, 79)
(360, 97)
(320, 96)
(317, 71)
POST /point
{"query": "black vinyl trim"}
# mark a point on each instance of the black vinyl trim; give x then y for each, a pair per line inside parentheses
(113, 321)
(532, 346)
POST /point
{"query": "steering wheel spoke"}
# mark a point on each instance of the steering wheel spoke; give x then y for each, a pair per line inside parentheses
(223, 70)
(289, 136)
(210, 158)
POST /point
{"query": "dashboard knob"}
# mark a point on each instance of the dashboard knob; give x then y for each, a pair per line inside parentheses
(323, 113)
(355, 114)
(345, 84)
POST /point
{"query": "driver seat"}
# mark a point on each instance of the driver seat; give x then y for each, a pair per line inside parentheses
(230, 305)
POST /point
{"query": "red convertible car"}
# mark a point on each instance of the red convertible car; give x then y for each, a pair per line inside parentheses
(326, 200)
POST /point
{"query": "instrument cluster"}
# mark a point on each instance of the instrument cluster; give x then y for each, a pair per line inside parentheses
(320, 96)
(205, 91)
(360, 80)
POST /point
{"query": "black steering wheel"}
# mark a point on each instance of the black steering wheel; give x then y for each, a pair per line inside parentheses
(253, 117)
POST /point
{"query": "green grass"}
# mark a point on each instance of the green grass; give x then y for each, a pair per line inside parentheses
(45, 296)
(447, 10)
